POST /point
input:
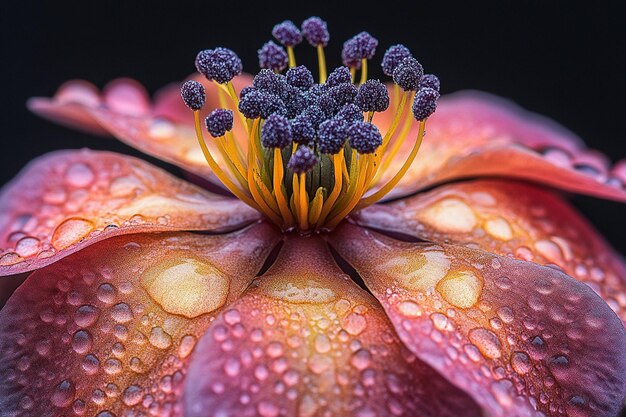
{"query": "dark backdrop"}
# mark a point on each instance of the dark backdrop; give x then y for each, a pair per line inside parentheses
(557, 58)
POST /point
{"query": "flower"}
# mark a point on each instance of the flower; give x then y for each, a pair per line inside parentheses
(148, 295)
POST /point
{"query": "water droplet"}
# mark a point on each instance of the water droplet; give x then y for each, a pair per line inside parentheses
(486, 341)
(354, 323)
(537, 348)
(121, 313)
(505, 314)
(440, 321)
(550, 251)
(161, 129)
(460, 288)
(112, 366)
(159, 338)
(409, 309)
(232, 317)
(106, 293)
(86, 315)
(187, 343)
(322, 343)
(71, 231)
(63, 394)
(10, 258)
(361, 359)
(520, 363)
(82, 341)
(267, 409)
(499, 228)
(105, 413)
(132, 395)
(43, 347)
(79, 175)
(27, 246)
(90, 364)
(232, 367)
(124, 186)
(450, 215)
(186, 286)
(26, 403)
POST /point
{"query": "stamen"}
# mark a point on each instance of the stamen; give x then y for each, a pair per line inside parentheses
(215, 167)
(273, 57)
(312, 150)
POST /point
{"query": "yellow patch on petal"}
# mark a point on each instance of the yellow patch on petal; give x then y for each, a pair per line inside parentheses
(450, 215)
(460, 288)
(185, 285)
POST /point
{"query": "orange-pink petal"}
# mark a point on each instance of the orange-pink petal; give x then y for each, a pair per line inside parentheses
(307, 341)
(162, 128)
(516, 336)
(478, 135)
(112, 327)
(510, 219)
(66, 200)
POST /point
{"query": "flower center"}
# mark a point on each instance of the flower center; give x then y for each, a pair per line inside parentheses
(312, 153)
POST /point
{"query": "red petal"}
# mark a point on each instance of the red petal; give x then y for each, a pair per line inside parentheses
(510, 219)
(163, 128)
(307, 341)
(475, 134)
(67, 200)
(514, 335)
(112, 326)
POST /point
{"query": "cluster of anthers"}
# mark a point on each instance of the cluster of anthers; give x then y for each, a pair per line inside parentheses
(313, 154)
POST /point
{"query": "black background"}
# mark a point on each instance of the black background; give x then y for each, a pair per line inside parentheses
(562, 59)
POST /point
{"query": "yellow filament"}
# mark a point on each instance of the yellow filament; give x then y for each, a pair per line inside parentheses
(295, 196)
(339, 164)
(222, 99)
(252, 178)
(357, 183)
(394, 181)
(321, 60)
(216, 169)
(352, 73)
(292, 57)
(231, 162)
(396, 96)
(278, 188)
(408, 123)
(304, 203)
(363, 71)
(396, 120)
(316, 206)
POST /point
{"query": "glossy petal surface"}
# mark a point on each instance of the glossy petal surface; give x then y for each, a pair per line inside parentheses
(111, 328)
(163, 128)
(509, 219)
(66, 200)
(475, 134)
(514, 335)
(307, 341)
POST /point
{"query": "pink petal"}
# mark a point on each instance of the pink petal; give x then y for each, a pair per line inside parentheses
(509, 219)
(477, 135)
(516, 336)
(67, 200)
(307, 341)
(112, 327)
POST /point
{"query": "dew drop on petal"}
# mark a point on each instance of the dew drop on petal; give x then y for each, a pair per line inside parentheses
(63, 394)
(186, 286)
(486, 341)
(82, 341)
(520, 363)
(460, 288)
(86, 315)
(70, 232)
(132, 395)
(79, 175)
(159, 338)
(27, 246)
